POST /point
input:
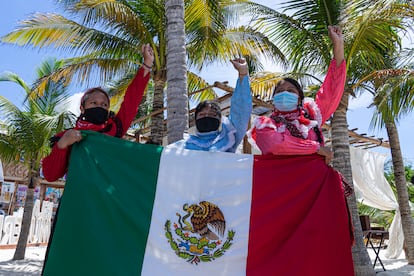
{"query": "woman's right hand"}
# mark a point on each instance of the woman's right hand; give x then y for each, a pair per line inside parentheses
(69, 138)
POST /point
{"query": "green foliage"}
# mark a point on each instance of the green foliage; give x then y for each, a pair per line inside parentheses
(299, 28)
(106, 37)
(409, 174)
(377, 217)
(26, 130)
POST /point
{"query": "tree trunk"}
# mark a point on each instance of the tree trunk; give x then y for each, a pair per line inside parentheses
(402, 193)
(26, 220)
(157, 121)
(342, 162)
(177, 99)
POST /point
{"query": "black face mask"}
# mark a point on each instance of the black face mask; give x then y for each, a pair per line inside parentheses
(95, 115)
(207, 124)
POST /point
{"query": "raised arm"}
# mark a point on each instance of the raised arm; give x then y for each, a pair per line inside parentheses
(241, 100)
(330, 93)
(337, 38)
(135, 90)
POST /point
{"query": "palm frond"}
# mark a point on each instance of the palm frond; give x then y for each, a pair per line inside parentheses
(52, 30)
(117, 88)
(8, 149)
(205, 25)
(7, 108)
(313, 12)
(115, 16)
(90, 71)
(263, 83)
(394, 94)
(13, 77)
(250, 42)
(406, 58)
(28, 129)
(198, 89)
(296, 37)
(371, 33)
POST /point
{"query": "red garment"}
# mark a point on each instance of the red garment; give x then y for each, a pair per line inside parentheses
(299, 223)
(55, 165)
(274, 138)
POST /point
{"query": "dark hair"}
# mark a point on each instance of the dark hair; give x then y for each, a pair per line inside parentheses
(212, 104)
(294, 83)
(90, 91)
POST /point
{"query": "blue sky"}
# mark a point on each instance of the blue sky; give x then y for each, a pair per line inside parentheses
(23, 61)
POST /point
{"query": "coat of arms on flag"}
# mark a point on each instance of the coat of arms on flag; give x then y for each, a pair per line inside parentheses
(201, 238)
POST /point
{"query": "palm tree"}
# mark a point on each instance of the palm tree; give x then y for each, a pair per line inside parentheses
(393, 90)
(28, 131)
(177, 99)
(370, 28)
(110, 33)
(381, 27)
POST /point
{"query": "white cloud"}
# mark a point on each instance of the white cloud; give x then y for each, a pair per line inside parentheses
(72, 104)
(362, 101)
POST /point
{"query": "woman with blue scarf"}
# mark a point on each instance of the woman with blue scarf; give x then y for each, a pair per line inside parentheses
(215, 132)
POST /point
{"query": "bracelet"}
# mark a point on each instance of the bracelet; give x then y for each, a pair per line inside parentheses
(146, 66)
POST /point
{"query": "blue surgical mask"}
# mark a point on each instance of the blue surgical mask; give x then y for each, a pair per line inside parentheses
(286, 101)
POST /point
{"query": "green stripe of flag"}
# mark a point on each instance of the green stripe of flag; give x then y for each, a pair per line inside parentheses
(85, 232)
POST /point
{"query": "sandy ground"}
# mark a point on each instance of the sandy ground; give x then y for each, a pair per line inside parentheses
(32, 265)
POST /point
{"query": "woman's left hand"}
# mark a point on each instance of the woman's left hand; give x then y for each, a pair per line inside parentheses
(337, 38)
(327, 152)
(335, 34)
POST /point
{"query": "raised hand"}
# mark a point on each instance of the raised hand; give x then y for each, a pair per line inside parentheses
(240, 65)
(335, 34)
(148, 55)
(337, 38)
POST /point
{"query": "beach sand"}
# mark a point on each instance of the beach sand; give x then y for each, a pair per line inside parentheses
(31, 265)
(33, 262)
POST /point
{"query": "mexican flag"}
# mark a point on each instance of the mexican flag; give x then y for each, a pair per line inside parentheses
(134, 209)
